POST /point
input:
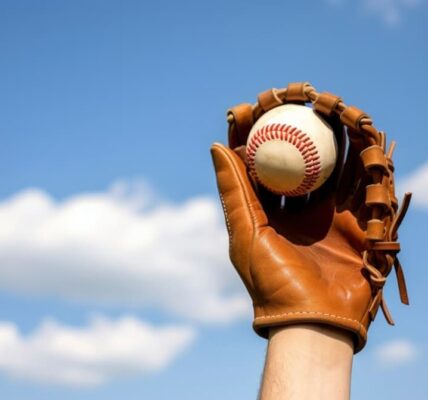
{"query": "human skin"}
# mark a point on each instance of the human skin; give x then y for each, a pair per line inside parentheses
(307, 362)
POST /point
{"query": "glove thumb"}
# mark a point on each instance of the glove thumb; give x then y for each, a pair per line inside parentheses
(242, 209)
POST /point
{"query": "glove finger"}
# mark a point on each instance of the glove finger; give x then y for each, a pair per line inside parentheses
(353, 175)
(276, 207)
(269, 200)
(243, 211)
(243, 120)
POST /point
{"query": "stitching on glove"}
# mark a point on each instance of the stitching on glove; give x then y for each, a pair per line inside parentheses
(244, 189)
(310, 312)
(226, 217)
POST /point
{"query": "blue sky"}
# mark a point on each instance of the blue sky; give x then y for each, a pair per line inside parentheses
(114, 273)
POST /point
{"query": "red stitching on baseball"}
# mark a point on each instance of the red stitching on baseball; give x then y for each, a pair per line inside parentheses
(300, 140)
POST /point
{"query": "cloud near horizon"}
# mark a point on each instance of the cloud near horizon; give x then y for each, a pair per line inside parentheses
(395, 353)
(102, 351)
(117, 248)
(391, 12)
(417, 183)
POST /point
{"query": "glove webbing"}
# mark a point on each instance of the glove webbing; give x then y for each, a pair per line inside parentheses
(381, 234)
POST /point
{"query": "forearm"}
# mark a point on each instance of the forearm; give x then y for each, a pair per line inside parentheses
(307, 362)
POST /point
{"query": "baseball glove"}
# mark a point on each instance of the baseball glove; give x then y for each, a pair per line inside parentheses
(322, 258)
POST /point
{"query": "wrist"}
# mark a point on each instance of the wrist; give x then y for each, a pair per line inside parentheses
(308, 362)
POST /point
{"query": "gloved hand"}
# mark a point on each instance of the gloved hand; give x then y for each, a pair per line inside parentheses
(322, 259)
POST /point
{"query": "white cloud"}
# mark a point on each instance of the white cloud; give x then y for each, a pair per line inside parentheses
(389, 11)
(90, 355)
(115, 248)
(396, 353)
(417, 183)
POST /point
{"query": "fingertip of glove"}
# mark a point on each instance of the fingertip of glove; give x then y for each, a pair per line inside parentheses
(218, 151)
(215, 147)
(219, 156)
(227, 159)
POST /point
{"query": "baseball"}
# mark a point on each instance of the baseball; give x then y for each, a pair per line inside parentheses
(291, 150)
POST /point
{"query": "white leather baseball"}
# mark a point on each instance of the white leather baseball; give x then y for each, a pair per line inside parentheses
(291, 150)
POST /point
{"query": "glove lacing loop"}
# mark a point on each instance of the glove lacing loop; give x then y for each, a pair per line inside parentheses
(382, 245)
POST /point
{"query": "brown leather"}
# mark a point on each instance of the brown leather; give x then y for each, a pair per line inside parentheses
(352, 116)
(375, 229)
(374, 157)
(377, 194)
(401, 282)
(326, 103)
(269, 99)
(296, 92)
(322, 259)
(388, 246)
(240, 122)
